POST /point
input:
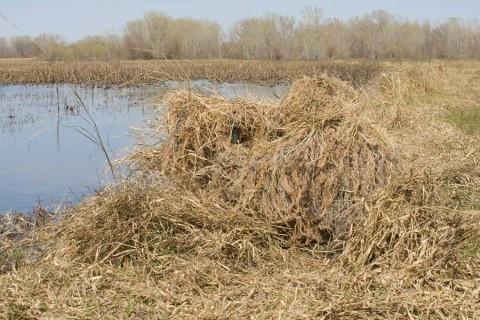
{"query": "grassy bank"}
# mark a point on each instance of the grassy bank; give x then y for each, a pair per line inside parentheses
(336, 204)
(18, 71)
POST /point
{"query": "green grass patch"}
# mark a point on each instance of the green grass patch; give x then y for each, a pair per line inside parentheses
(467, 120)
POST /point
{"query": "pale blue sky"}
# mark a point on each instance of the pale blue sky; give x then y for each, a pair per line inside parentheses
(73, 19)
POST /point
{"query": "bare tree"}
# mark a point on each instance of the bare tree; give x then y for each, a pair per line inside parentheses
(23, 47)
(6, 50)
(375, 35)
(137, 42)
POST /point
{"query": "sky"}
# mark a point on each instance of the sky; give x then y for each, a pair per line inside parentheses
(77, 18)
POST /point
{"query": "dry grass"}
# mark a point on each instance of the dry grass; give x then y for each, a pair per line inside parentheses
(324, 210)
(21, 71)
(307, 163)
(467, 120)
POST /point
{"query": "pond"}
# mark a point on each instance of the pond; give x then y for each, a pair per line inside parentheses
(44, 158)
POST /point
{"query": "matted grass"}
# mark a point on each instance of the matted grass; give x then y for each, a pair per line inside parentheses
(467, 120)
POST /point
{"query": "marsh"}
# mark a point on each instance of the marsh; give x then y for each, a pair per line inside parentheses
(45, 160)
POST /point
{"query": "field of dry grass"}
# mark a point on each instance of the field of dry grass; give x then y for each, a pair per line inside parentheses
(27, 71)
(338, 203)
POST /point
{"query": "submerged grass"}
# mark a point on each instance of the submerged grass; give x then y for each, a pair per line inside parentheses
(336, 203)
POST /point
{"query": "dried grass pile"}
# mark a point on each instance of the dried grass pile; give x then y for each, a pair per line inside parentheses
(150, 221)
(409, 225)
(19, 235)
(308, 164)
(389, 96)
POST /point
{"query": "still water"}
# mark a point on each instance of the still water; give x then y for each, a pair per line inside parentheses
(43, 157)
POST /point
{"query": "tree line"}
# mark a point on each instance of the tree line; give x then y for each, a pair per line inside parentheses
(376, 35)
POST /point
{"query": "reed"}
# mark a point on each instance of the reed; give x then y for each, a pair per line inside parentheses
(27, 71)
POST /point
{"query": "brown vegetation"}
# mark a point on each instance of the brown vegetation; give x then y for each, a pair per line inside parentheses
(27, 71)
(203, 228)
(307, 163)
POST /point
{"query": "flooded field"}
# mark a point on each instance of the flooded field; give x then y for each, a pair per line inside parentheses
(45, 160)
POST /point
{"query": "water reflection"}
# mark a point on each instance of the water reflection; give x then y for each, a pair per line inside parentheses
(43, 157)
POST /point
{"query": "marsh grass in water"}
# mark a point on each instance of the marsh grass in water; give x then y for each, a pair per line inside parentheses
(142, 72)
